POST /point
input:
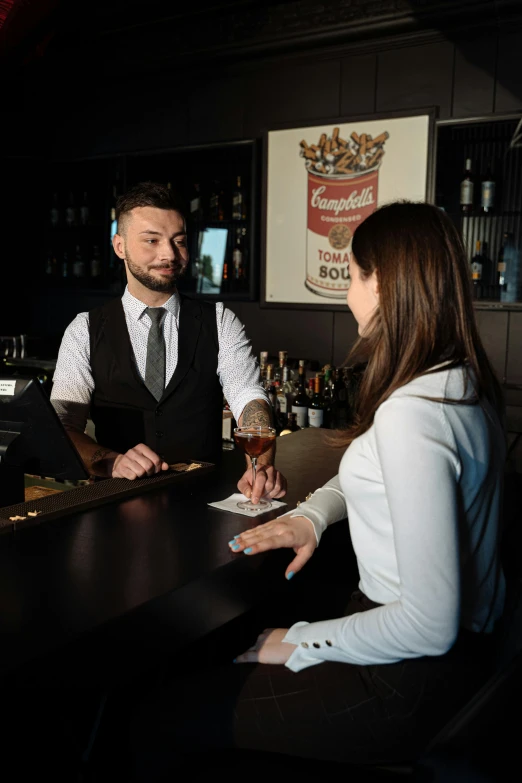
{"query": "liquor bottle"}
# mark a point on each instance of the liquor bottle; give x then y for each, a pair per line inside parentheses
(51, 264)
(71, 212)
(78, 269)
(269, 376)
(310, 388)
(263, 360)
(487, 266)
(282, 364)
(95, 262)
(196, 206)
(291, 425)
(65, 264)
(487, 192)
(282, 395)
(238, 202)
(476, 271)
(85, 215)
(467, 187)
(511, 288)
(317, 404)
(216, 203)
(301, 402)
(238, 260)
(55, 212)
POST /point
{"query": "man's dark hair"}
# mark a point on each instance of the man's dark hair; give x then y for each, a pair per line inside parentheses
(147, 194)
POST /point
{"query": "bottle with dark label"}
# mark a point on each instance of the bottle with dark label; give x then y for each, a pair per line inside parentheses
(291, 425)
(301, 402)
(317, 404)
(467, 187)
(487, 192)
(476, 271)
(238, 201)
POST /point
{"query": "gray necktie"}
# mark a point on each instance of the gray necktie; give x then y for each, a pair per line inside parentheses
(155, 366)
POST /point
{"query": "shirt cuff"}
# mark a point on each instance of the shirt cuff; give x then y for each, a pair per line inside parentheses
(301, 657)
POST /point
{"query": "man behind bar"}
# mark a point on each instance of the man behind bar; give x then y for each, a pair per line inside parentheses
(152, 367)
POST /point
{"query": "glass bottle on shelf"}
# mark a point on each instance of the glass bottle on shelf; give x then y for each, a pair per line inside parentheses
(55, 214)
(263, 360)
(85, 215)
(511, 290)
(238, 258)
(291, 425)
(301, 402)
(487, 192)
(317, 404)
(217, 203)
(71, 212)
(78, 269)
(283, 355)
(476, 270)
(467, 187)
(96, 264)
(238, 201)
(196, 206)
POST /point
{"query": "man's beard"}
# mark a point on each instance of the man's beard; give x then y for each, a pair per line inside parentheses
(166, 286)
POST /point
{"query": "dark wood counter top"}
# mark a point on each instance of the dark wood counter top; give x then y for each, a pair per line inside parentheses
(119, 579)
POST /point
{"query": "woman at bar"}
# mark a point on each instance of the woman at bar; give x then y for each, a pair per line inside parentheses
(420, 483)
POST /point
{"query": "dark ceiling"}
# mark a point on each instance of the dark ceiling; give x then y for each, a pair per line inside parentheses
(135, 36)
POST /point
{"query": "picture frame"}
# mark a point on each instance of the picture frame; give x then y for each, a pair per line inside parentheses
(320, 180)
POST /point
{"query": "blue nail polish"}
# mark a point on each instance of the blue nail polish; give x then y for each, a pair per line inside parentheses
(232, 542)
(235, 660)
(247, 550)
(290, 575)
(235, 548)
(237, 535)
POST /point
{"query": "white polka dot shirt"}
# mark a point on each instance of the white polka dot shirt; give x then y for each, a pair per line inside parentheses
(73, 384)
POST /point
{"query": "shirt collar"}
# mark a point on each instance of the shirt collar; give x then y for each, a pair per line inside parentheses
(135, 308)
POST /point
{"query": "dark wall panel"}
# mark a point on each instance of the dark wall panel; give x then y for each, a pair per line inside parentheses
(508, 96)
(216, 111)
(493, 329)
(290, 92)
(358, 84)
(514, 355)
(474, 87)
(304, 334)
(345, 335)
(416, 77)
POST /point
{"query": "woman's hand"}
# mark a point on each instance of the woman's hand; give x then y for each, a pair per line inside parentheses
(269, 648)
(270, 483)
(295, 533)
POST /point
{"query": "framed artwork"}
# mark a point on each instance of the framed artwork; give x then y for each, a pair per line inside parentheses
(320, 182)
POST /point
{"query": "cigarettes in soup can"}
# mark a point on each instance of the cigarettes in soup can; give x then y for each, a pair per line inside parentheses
(343, 183)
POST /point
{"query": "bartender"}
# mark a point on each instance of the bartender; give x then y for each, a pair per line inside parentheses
(151, 368)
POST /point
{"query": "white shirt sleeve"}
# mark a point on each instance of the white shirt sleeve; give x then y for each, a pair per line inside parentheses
(238, 368)
(72, 380)
(326, 506)
(420, 471)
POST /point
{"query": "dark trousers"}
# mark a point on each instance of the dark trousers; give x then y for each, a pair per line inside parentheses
(334, 711)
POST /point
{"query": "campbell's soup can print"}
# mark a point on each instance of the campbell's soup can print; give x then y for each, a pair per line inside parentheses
(343, 184)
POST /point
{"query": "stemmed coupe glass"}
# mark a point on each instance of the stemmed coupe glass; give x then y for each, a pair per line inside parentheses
(254, 441)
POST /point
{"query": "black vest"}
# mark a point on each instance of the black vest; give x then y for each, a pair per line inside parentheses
(187, 422)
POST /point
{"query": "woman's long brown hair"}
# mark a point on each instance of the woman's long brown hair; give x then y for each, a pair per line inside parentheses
(425, 314)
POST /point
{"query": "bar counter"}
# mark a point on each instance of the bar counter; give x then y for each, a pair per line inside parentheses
(113, 584)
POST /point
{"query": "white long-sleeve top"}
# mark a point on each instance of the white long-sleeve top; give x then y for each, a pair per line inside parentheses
(421, 490)
(237, 369)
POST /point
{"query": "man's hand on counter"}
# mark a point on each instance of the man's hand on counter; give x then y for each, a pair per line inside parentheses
(270, 483)
(137, 462)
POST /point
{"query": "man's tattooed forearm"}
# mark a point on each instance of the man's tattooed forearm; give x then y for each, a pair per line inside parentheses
(99, 454)
(256, 412)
